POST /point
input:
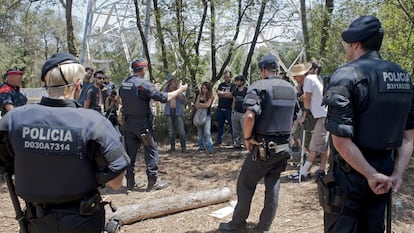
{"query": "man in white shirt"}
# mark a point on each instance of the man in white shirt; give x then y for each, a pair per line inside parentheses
(313, 89)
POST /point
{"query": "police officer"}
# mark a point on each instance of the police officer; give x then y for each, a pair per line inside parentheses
(136, 93)
(10, 94)
(59, 165)
(269, 104)
(368, 117)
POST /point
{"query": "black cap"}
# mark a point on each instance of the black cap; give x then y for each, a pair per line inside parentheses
(54, 61)
(362, 28)
(269, 62)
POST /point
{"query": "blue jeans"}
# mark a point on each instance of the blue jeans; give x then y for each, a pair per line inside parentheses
(176, 123)
(204, 135)
(222, 115)
(237, 126)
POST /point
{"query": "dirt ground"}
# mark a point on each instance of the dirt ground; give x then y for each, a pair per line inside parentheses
(298, 210)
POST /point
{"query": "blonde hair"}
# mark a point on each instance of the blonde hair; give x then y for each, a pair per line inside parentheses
(72, 72)
(57, 87)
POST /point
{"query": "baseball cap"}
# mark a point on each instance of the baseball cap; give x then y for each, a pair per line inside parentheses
(55, 60)
(362, 28)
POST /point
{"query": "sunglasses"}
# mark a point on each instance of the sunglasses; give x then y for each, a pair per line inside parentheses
(99, 78)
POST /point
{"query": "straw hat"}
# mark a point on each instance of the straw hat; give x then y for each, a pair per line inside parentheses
(300, 69)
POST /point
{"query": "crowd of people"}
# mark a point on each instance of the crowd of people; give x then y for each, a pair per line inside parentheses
(363, 121)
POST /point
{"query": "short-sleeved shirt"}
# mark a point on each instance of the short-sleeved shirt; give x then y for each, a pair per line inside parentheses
(225, 102)
(313, 85)
(239, 96)
(95, 96)
(82, 96)
(136, 94)
(348, 99)
(51, 149)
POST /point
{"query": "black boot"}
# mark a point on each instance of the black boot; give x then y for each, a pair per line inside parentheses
(155, 183)
(231, 227)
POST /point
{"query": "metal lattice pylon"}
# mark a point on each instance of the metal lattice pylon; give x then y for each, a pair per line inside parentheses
(106, 25)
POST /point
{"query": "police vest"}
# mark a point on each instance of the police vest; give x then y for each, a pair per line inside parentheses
(380, 123)
(50, 163)
(278, 105)
(135, 102)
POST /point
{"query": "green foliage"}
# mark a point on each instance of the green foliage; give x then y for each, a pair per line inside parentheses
(398, 24)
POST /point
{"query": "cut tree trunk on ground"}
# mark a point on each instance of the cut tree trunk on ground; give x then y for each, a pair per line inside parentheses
(155, 208)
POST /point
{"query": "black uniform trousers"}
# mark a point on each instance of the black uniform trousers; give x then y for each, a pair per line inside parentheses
(363, 211)
(250, 174)
(133, 127)
(67, 220)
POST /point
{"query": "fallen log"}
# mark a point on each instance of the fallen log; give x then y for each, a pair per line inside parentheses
(155, 208)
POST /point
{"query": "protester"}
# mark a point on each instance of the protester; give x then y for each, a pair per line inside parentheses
(107, 87)
(94, 97)
(174, 110)
(112, 104)
(237, 118)
(85, 85)
(136, 93)
(369, 119)
(204, 100)
(313, 89)
(58, 164)
(223, 112)
(270, 104)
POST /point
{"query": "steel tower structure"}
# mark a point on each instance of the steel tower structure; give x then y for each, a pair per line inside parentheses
(106, 25)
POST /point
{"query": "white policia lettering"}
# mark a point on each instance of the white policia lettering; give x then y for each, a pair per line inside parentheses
(47, 134)
(395, 77)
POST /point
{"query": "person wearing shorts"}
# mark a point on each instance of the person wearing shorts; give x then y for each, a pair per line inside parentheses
(313, 88)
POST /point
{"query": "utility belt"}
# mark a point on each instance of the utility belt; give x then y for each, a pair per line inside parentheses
(268, 148)
(86, 206)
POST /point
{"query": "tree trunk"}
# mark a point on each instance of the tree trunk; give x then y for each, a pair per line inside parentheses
(160, 36)
(304, 27)
(155, 208)
(213, 40)
(241, 13)
(256, 35)
(327, 13)
(69, 29)
(143, 39)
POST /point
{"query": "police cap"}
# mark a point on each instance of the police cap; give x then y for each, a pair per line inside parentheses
(138, 64)
(55, 60)
(269, 63)
(15, 70)
(362, 28)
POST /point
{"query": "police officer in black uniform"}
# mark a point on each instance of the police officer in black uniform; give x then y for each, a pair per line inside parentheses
(136, 93)
(10, 94)
(62, 153)
(269, 104)
(368, 102)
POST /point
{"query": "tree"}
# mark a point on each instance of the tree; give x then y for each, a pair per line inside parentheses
(67, 4)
